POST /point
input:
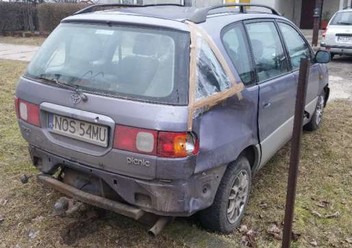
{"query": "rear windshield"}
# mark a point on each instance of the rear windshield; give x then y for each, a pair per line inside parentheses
(342, 18)
(131, 62)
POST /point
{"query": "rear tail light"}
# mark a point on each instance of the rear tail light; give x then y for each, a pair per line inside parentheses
(177, 145)
(324, 33)
(162, 144)
(135, 139)
(27, 112)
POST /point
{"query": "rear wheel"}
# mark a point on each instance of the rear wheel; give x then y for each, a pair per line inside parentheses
(315, 122)
(332, 55)
(231, 198)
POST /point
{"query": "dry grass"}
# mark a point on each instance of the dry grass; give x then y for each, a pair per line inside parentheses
(325, 175)
(32, 41)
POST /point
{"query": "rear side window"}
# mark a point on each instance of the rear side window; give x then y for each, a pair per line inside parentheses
(236, 47)
(210, 74)
(268, 52)
(342, 18)
(123, 61)
(296, 46)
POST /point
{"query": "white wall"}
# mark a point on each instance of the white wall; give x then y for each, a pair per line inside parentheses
(164, 1)
(270, 3)
(290, 9)
(331, 6)
(201, 3)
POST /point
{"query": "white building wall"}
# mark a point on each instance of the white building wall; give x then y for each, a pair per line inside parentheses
(156, 1)
(270, 3)
(330, 7)
(290, 9)
(201, 3)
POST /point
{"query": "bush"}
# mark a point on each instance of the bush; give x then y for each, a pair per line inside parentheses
(50, 14)
(17, 16)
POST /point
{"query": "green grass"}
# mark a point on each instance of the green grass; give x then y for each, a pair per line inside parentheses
(31, 41)
(325, 175)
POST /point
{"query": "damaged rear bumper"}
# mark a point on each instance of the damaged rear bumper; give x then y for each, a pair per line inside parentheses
(161, 197)
(91, 199)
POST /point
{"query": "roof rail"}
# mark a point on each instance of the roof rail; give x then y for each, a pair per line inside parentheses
(95, 7)
(201, 14)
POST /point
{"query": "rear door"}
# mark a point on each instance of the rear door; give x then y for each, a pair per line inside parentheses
(277, 86)
(298, 48)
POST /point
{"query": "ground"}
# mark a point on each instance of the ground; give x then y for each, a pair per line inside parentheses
(323, 204)
(31, 41)
(340, 78)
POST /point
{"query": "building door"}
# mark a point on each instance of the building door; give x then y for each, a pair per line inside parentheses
(307, 19)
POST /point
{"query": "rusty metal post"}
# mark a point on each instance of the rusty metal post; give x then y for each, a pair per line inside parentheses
(317, 20)
(295, 151)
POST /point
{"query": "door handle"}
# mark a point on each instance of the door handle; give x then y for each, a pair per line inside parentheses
(267, 105)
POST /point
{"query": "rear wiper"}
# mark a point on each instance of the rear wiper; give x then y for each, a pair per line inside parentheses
(55, 78)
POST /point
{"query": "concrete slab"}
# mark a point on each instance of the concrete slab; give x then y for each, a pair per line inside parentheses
(17, 52)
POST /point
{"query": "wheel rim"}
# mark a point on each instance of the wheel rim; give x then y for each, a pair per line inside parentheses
(319, 110)
(238, 196)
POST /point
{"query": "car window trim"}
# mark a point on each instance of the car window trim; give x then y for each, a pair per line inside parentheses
(178, 96)
(197, 106)
(261, 20)
(311, 52)
(224, 30)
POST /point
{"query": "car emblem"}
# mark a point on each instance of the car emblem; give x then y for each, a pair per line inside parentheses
(76, 98)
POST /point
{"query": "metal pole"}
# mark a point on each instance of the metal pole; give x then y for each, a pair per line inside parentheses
(295, 151)
(317, 19)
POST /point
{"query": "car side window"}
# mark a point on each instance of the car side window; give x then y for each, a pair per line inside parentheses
(269, 57)
(296, 46)
(237, 49)
(210, 74)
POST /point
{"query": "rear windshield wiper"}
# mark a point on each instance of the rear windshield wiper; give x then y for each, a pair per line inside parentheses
(55, 79)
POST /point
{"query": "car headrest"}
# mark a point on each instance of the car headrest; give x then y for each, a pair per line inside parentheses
(145, 45)
(85, 48)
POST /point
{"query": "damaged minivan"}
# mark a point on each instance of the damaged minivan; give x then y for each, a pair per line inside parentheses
(166, 110)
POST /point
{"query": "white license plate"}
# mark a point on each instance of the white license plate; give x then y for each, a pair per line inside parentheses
(80, 130)
(344, 39)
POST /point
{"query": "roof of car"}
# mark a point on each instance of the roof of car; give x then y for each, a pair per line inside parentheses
(346, 10)
(177, 12)
(173, 16)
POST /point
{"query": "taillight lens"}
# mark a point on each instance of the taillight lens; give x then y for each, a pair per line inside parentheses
(162, 144)
(28, 112)
(135, 139)
(324, 33)
(177, 145)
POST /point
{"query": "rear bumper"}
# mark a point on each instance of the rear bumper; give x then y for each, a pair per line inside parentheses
(338, 49)
(167, 198)
(91, 199)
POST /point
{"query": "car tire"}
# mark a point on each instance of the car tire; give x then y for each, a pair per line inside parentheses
(332, 55)
(227, 210)
(317, 116)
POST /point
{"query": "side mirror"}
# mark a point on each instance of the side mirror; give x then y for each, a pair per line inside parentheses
(322, 56)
